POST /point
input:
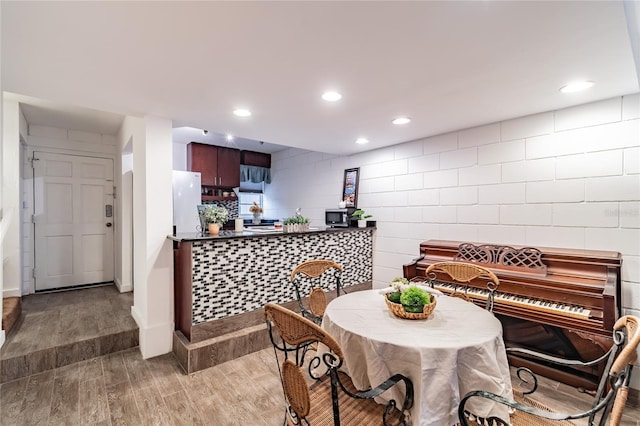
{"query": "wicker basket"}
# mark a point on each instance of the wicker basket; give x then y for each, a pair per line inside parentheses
(398, 310)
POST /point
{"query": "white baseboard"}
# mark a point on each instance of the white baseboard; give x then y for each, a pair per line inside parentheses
(155, 340)
(123, 288)
(13, 292)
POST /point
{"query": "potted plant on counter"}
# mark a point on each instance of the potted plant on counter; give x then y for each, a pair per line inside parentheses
(361, 217)
(215, 217)
(297, 223)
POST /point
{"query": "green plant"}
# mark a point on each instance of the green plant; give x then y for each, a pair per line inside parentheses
(360, 215)
(413, 299)
(296, 220)
(399, 284)
(215, 214)
(394, 297)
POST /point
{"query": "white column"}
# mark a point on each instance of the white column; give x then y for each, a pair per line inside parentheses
(152, 222)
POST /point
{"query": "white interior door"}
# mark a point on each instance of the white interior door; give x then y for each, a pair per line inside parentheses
(73, 205)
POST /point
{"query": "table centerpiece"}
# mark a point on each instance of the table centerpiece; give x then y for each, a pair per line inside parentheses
(409, 300)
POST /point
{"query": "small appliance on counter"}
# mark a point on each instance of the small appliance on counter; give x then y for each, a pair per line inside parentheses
(338, 218)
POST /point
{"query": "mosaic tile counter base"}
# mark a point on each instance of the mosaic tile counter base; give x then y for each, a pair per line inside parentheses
(231, 277)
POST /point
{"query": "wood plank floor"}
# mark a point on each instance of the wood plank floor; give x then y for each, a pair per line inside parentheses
(124, 389)
(61, 328)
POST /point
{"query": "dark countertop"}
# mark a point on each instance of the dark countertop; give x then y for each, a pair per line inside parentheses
(254, 232)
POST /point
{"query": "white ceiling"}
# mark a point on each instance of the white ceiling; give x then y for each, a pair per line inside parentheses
(447, 65)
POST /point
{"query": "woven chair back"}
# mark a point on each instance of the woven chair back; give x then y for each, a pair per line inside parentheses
(295, 389)
(307, 279)
(314, 268)
(629, 353)
(317, 302)
(463, 272)
(297, 330)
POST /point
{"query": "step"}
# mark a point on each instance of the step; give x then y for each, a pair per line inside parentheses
(13, 367)
(197, 356)
(11, 311)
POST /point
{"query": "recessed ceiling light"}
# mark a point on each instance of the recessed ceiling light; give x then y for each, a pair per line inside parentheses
(241, 112)
(362, 141)
(576, 86)
(331, 96)
(229, 138)
(401, 120)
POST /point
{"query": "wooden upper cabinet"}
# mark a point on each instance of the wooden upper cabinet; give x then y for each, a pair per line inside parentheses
(252, 158)
(228, 167)
(204, 159)
(218, 166)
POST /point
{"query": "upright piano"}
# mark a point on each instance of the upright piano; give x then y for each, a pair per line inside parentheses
(562, 302)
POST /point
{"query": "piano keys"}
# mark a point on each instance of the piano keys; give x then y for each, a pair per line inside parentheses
(541, 305)
(563, 302)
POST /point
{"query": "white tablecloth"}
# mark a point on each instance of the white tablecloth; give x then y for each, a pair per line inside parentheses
(459, 348)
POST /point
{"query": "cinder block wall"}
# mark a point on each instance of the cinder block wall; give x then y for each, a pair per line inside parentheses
(567, 178)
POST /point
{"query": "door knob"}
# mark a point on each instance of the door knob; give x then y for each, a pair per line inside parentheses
(108, 224)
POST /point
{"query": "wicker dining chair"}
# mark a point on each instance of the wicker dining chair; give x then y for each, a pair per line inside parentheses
(324, 395)
(462, 274)
(307, 280)
(610, 397)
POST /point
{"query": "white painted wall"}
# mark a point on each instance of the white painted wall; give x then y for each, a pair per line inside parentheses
(2, 222)
(13, 124)
(13, 127)
(132, 128)
(124, 220)
(567, 178)
(179, 156)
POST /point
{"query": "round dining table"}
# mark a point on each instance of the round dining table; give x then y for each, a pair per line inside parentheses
(459, 348)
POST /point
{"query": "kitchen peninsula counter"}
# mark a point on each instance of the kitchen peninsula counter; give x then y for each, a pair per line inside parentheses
(222, 282)
(252, 232)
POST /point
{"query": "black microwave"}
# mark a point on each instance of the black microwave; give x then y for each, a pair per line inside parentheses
(338, 218)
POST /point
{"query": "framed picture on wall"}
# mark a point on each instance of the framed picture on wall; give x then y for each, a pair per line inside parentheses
(350, 187)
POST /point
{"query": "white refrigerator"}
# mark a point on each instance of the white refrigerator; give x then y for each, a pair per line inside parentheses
(186, 199)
